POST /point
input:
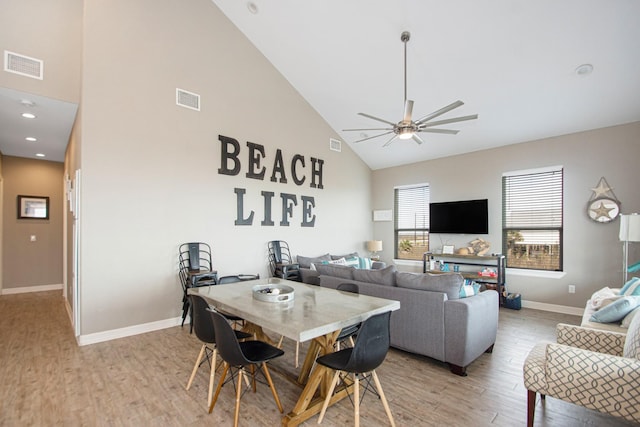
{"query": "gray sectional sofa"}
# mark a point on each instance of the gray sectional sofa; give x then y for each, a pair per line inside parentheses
(433, 320)
(311, 276)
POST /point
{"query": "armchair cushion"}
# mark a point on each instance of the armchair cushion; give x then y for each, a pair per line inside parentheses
(590, 339)
(632, 343)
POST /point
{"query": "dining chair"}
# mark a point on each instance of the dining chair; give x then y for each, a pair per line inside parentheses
(281, 262)
(203, 326)
(238, 355)
(350, 331)
(195, 268)
(361, 360)
(225, 280)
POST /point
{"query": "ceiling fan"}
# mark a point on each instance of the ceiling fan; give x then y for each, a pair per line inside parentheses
(408, 128)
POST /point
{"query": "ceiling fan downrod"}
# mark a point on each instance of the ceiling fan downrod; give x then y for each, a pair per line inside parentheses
(404, 37)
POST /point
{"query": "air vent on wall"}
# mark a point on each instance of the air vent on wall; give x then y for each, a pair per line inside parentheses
(188, 99)
(23, 65)
(335, 145)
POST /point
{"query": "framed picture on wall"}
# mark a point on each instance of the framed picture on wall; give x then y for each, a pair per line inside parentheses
(33, 207)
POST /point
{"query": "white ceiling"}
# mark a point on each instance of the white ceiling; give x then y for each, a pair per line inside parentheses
(512, 62)
(51, 127)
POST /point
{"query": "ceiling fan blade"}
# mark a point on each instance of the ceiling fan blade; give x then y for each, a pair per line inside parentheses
(408, 109)
(376, 118)
(344, 130)
(371, 137)
(444, 122)
(417, 139)
(447, 131)
(390, 141)
(440, 112)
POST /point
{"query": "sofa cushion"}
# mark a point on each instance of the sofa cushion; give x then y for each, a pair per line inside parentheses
(632, 341)
(342, 271)
(448, 283)
(384, 276)
(305, 262)
(616, 311)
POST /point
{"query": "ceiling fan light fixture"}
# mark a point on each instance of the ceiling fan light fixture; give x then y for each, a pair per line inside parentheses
(405, 133)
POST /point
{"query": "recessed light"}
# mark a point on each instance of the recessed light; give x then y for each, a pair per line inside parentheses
(584, 70)
(253, 8)
(39, 155)
(31, 139)
(28, 103)
(28, 116)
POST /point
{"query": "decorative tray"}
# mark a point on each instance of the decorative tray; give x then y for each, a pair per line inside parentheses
(273, 293)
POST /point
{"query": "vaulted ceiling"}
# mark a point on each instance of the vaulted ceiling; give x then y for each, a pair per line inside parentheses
(514, 63)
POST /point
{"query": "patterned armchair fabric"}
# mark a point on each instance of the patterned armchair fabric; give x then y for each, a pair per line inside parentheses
(607, 379)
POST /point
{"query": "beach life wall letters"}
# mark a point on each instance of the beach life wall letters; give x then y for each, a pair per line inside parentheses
(230, 164)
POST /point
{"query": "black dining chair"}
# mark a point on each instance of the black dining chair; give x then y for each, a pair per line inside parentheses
(350, 331)
(367, 354)
(281, 262)
(237, 355)
(195, 268)
(203, 326)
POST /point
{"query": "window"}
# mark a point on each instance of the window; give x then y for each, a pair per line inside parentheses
(532, 219)
(411, 221)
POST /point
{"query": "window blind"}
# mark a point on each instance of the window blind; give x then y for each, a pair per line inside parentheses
(412, 208)
(533, 200)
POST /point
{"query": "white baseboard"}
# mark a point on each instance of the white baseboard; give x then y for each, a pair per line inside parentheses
(25, 289)
(564, 309)
(128, 331)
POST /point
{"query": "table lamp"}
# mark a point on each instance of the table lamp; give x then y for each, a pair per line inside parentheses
(629, 232)
(374, 246)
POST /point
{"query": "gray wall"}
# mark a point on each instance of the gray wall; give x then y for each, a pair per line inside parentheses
(592, 252)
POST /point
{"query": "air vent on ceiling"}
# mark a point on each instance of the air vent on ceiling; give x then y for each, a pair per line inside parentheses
(23, 65)
(335, 145)
(188, 99)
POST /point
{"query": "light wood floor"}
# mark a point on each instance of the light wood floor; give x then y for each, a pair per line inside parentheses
(47, 380)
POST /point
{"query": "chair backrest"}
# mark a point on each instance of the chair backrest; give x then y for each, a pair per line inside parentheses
(349, 287)
(201, 320)
(371, 345)
(237, 278)
(196, 256)
(279, 252)
(227, 341)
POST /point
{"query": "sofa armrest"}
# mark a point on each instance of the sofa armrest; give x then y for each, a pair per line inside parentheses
(309, 276)
(377, 265)
(595, 380)
(471, 326)
(597, 340)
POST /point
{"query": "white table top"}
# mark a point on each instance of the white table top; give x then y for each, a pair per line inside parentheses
(314, 311)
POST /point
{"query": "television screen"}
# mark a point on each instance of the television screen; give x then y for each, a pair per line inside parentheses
(462, 217)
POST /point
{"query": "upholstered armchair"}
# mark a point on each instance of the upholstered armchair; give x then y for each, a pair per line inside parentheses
(593, 368)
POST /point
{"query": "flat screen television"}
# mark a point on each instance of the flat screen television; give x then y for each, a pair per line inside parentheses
(461, 217)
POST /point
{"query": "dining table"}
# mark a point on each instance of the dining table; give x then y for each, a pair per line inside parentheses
(308, 313)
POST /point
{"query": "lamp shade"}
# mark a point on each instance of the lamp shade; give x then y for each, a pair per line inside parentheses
(630, 228)
(374, 245)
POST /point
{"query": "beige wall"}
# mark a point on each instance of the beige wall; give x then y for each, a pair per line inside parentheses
(27, 263)
(592, 252)
(149, 168)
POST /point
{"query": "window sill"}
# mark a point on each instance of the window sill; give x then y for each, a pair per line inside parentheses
(412, 262)
(536, 273)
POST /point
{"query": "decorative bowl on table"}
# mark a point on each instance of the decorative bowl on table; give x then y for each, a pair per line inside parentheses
(273, 293)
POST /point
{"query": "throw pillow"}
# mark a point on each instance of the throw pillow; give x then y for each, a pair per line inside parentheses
(599, 297)
(448, 283)
(615, 311)
(469, 288)
(353, 262)
(351, 255)
(305, 262)
(632, 287)
(340, 261)
(341, 271)
(364, 263)
(629, 317)
(632, 341)
(383, 276)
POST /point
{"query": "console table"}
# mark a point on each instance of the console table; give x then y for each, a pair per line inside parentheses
(469, 268)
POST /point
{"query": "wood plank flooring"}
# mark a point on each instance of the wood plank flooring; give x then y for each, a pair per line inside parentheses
(47, 380)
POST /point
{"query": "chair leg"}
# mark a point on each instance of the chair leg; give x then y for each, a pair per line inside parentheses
(356, 400)
(334, 381)
(195, 367)
(215, 397)
(531, 407)
(212, 374)
(236, 415)
(272, 387)
(383, 398)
